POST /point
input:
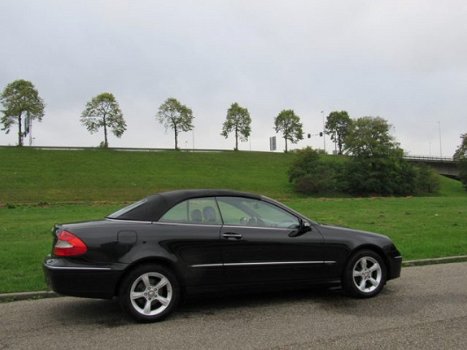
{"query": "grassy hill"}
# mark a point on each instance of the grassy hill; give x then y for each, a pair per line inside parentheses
(40, 187)
(33, 176)
(29, 176)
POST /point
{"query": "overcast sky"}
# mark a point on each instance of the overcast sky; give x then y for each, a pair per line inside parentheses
(405, 61)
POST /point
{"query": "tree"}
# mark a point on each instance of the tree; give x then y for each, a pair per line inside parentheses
(22, 105)
(369, 137)
(172, 114)
(337, 126)
(461, 151)
(460, 156)
(104, 111)
(237, 120)
(377, 165)
(289, 123)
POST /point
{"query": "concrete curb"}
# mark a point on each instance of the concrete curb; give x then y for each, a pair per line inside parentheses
(446, 260)
(8, 297)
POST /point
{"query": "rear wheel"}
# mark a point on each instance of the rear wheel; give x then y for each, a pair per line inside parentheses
(149, 293)
(364, 275)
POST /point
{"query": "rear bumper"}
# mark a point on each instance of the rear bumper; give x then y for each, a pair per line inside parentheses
(81, 280)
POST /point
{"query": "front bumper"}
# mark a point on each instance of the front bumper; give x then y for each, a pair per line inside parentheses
(81, 280)
(395, 266)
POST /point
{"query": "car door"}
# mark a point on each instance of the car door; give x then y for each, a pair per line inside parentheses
(259, 243)
(191, 233)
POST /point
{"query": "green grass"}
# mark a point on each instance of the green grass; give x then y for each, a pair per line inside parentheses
(451, 188)
(102, 181)
(426, 227)
(33, 176)
(26, 239)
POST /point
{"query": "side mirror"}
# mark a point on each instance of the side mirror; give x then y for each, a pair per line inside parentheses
(302, 228)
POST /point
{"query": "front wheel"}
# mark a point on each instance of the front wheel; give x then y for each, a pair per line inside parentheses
(149, 293)
(365, 274)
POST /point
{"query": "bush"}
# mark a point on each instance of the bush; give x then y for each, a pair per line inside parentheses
(385, 176)
(460, 156)
(313, 173)
(390, 176)
(324, 180)
(426, 180)
(462, 165)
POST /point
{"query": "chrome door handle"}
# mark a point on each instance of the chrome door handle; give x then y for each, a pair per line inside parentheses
(231, 235)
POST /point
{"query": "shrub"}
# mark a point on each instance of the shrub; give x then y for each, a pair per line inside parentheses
(312, 173)
(426, 180)
(377, 176)
(389, 176)
(460, 156)
(462, 164)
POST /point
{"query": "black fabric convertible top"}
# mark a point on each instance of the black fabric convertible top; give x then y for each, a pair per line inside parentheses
(153, 207)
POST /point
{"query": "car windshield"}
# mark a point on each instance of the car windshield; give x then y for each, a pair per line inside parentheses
(127, 209)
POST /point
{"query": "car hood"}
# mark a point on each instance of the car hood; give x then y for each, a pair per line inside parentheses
(355, 233)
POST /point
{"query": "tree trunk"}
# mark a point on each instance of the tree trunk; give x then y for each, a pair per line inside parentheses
(20, 131)
(286, 150)
(176, 137)
(236, 139)
(106, 144)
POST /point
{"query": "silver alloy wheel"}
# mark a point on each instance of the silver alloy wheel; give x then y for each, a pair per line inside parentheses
(151, 293)
(367, 274)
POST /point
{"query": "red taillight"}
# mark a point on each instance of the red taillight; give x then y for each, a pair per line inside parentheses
(69, 245)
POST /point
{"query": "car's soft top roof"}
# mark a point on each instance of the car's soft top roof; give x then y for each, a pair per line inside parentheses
(179, 195)
(153, 207)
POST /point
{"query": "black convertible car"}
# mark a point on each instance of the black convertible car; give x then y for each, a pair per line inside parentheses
(187, 241)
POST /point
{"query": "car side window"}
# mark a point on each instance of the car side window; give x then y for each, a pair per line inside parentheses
(194, 211)
(255, 213)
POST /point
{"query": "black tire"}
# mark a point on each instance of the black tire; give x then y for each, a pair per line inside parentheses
(364, 275)
(149, 293)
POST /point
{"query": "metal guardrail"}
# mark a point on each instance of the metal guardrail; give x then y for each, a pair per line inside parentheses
(429, 159)
(128, 149)
(136, 149)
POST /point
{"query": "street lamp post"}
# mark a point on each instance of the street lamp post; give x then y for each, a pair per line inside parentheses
(324, 134)
(193, 138)
(440, 147)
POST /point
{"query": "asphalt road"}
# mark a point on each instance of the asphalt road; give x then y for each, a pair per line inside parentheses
(425, 309)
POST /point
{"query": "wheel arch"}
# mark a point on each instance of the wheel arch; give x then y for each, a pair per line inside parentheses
(373, 248)
(150, 260)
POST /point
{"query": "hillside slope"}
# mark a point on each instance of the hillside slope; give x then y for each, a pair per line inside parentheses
(33, 175)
